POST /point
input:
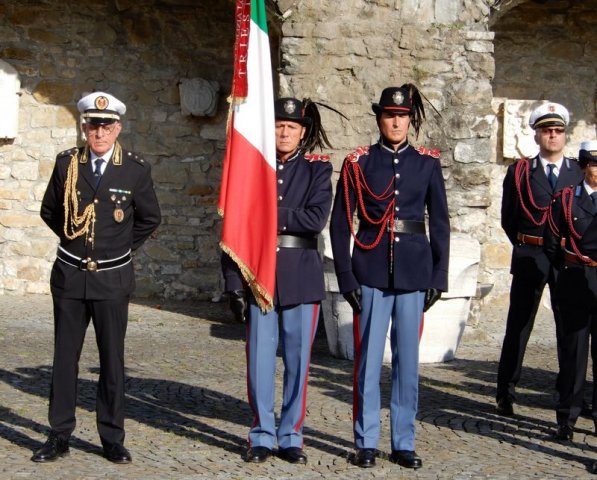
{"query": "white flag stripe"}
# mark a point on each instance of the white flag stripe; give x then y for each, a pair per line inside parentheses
(260, 100)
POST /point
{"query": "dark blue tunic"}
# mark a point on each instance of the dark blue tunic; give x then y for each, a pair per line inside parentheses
(304, 202)
(416, 262)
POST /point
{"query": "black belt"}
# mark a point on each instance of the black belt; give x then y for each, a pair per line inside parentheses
(292, 241)
(408, 226)
(89, 265)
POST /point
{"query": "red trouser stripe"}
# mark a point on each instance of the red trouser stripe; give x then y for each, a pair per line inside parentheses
(314, 319)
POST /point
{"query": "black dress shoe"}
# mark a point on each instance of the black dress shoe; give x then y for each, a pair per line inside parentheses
(293, 455)
(257, 454)
(586, 411)
(365, 457)
(505, 407)
(117, 454)
(564, 432)
(406, 458)
(53, 449)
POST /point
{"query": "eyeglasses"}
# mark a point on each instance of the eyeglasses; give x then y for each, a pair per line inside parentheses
(555, 131)
(94, 129)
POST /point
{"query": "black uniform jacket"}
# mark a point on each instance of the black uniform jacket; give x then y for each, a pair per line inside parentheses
(128, 187)
(515, 220)
(584, 221)
(415, 262)
(304, 202)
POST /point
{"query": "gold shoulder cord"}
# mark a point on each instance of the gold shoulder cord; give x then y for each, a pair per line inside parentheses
(77, 225)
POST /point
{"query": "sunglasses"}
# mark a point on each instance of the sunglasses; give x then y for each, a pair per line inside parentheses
(549, 131)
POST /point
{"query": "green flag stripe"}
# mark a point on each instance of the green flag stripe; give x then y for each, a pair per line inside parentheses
(258, 14)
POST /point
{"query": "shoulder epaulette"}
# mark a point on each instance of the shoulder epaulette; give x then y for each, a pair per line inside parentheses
(427, 151)
(354, 156)
(133, 156)
(312, 157)
(68, 152)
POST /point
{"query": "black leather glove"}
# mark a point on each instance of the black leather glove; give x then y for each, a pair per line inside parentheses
(354, 299)
(432, 295)
(238, 305)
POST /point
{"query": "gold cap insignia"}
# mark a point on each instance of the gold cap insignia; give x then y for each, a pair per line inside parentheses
(101, 102)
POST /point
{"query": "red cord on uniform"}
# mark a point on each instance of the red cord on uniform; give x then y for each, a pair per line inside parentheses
(521, 172)
(358, 183)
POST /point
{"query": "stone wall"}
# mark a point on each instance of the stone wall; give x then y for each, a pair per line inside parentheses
(346, 57)
(465, 55)
(138, 50)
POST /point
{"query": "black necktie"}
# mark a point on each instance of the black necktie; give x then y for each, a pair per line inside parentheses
(594, 200)
(97, 173)
(552, 176)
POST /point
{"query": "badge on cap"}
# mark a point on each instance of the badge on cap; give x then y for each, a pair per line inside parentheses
(289, 107)
(398, 97)
(548, 115)
(100, 107)
(101, 102)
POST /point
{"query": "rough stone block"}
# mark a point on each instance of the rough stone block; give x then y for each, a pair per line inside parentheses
(25, 171)
(198, 97)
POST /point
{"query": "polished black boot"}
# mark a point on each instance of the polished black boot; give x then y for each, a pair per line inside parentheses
(564, 433)
(505, 407)
(365, 457)
(53, 449)
(116, 453)
(293, 455)
(257, 454)
(406, 458)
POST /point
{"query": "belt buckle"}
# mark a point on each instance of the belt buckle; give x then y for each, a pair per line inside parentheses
(91, 265)
(398, 226)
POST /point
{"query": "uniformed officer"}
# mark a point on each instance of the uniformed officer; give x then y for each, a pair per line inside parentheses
(304, 202)
(574, 215)
(528, 188)
(101, 203)
(394, 271)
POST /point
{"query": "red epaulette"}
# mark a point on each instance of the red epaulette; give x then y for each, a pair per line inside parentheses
(354, 156)
(311, 157)
(427, 151)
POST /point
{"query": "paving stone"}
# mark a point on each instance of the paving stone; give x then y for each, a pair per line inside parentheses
(187, 415)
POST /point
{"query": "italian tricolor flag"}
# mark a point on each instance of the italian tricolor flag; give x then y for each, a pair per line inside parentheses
(248, 193)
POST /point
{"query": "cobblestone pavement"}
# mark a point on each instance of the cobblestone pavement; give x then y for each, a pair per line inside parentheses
(187, 414)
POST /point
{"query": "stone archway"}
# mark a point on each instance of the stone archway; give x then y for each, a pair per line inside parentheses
(545, 49)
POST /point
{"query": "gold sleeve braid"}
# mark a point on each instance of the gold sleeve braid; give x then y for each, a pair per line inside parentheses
(76, 225)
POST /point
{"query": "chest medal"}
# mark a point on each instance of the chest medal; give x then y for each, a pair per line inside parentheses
(118, 215)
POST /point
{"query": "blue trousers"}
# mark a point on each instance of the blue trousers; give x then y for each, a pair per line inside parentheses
(370, 328)
(296, 327)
